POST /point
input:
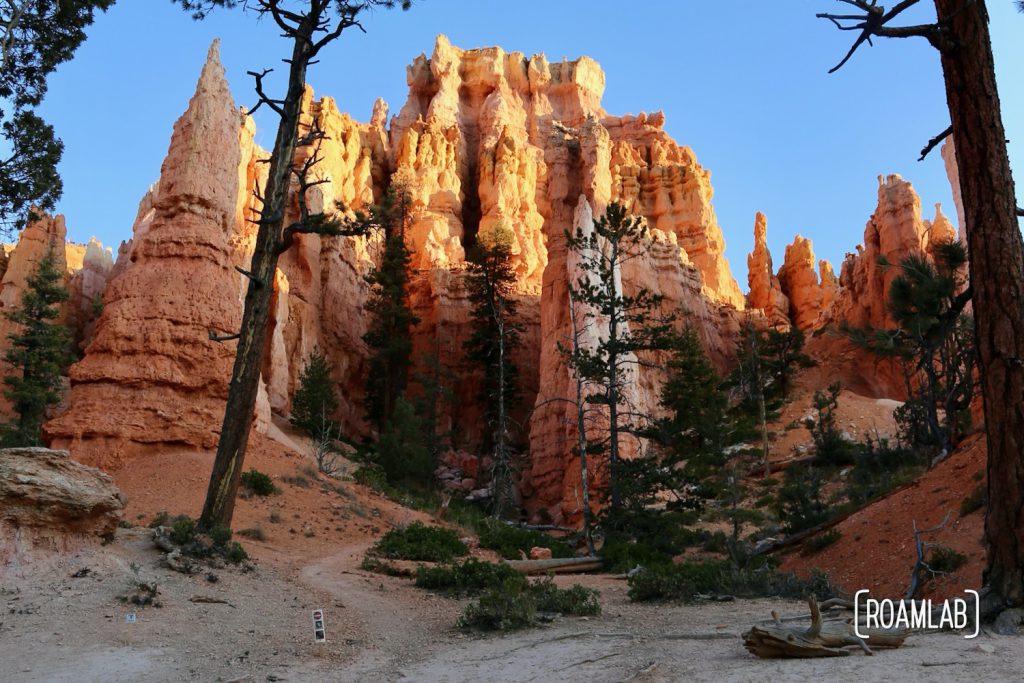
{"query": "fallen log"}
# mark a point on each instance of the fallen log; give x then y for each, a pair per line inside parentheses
(821, 639)
(776, 466)
(802, 536)
(562, 565)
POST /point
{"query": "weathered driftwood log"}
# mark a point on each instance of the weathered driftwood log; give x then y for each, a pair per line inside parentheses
(566, 565)
(822, 639)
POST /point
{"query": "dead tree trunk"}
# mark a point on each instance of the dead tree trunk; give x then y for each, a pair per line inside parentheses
(997, 278)
(310, 27)
(238, 414)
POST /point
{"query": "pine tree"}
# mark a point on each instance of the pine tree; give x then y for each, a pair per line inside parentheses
(752, 379)
(309, 27)
(436, 394)
(36, 37)
(626, 324)
(491, 284)
(686, 466)
(935, 341)
(38, 353)
(783, 354)
(401, 452)
(391, 320)
(315, 402)
(695, 404)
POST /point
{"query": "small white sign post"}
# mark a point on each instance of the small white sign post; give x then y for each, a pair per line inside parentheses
(319, 633)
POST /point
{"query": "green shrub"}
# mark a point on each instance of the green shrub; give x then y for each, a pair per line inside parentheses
(975, 500)
(686, 582)
(371, 475)
(514, 604)
(235, 553)
(471, 577)
(678, 581)
(508, 541)
(161, 519)
(799, 503)
(879, 468)
(506, 608)
(816, 544)
(258, 483)
(943, 559)
(220, 536)
(185, 534)
(621, 556)
(421, 543)
(576, 601)
(255, 533)
(829, 445)
(183, 530)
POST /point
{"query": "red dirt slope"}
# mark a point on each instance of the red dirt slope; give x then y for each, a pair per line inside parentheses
(876, 550)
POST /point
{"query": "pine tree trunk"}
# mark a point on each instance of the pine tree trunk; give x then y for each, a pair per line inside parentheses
(613, 378)
(238, 415)
(997, 279)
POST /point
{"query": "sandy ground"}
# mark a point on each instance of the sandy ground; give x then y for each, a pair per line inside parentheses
(55, 627)
(59, 628)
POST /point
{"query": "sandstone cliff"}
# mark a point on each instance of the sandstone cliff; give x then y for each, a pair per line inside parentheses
(895, 230)
(151, 375)
(86, 269)
(765, 289)
(485, 138)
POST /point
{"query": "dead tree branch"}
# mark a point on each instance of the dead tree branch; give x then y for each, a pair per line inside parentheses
(921, 565)
(874, 22)
(222, 338)
(263, 97)
(933, 143)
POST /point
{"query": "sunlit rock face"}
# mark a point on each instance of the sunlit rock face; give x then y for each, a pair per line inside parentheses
(486, 138)
(895, 231)
(765, 289)
(151, 375)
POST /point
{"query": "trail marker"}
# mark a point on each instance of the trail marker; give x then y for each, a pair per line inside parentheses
(319, 634)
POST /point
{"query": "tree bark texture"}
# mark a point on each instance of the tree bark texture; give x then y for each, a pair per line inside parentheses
(997, 278)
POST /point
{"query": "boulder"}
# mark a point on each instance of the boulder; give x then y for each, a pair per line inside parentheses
(47, 491)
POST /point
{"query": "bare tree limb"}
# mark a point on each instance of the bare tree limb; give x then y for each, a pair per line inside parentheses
(264, 99)
(227, 337)
(874, 22)
(933, 143)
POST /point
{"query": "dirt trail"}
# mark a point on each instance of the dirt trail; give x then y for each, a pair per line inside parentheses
(58, 628)
(399, 623)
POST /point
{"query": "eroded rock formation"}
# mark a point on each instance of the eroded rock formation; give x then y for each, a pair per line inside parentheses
(800, 284)
(765, 289)
(86, 269)
(152, 376)
(948, 151)
(895, 231)
(50, 503)
(485, 138)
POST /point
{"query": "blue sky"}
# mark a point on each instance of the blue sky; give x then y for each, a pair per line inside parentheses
(743, 83)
